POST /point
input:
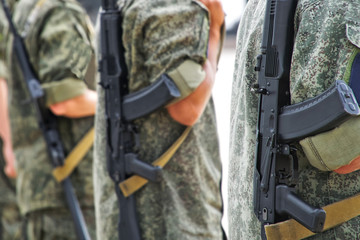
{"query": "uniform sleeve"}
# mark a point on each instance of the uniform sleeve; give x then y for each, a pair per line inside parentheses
(172, 33)
(64, 56)
(164, 38)
(3, 69)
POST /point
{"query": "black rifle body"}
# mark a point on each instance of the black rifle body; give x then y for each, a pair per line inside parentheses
(119, 133)
(47, 123)
(276, 165)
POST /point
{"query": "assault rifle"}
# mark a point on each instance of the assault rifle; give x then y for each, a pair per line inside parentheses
(280, 123)
(47, 124)
(120, 109)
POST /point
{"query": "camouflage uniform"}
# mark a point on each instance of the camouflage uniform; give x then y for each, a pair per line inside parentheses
(186, 204)
(58, 35)
(327, 34)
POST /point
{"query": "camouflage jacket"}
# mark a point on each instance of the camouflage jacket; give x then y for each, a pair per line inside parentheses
(327, 35)
(3, 29)
(58, 36)
(186, 204)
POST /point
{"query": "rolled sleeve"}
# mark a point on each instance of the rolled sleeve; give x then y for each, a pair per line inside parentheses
(187, 77)
(333, 149)
(63, 90)
(65, 54)
(160, 40)
(3, 70)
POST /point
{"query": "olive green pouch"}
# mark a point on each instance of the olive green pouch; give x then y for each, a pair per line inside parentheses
(335, 148)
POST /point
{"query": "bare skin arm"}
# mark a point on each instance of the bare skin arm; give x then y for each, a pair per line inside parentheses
(189, 110)
(81, 106)
(5, 132)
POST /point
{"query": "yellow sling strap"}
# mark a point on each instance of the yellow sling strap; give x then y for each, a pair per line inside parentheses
(75, 156)
(134, 183)
(336, 214)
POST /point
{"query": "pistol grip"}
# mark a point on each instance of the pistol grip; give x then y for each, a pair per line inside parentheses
(287, 202)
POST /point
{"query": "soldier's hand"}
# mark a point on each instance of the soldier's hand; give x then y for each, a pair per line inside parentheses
(9, 156)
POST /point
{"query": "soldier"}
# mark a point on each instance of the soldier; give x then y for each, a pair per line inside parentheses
(59, 39)
(326, 42)
(162, 36)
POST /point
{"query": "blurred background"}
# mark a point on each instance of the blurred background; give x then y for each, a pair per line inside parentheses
(222, 88)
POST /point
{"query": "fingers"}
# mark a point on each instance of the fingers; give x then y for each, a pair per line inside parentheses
(9, 156)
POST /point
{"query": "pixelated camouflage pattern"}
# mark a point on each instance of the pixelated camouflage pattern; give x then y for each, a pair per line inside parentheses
(3, 70)
(43, 225)
(10, 219)
(60, 45)
(327, 33)
(3, 27)
(186, 204)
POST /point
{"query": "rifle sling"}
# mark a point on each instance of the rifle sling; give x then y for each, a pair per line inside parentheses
(134, 183)
(336, 214)
(75, 156)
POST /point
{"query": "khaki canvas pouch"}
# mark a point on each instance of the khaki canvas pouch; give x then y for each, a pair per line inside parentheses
(335, 148)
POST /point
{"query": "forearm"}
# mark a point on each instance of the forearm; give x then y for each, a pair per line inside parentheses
(214, 48)
(81, 106)
(188, 110)
(215, 32)
(5, 132)
(4, 116)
